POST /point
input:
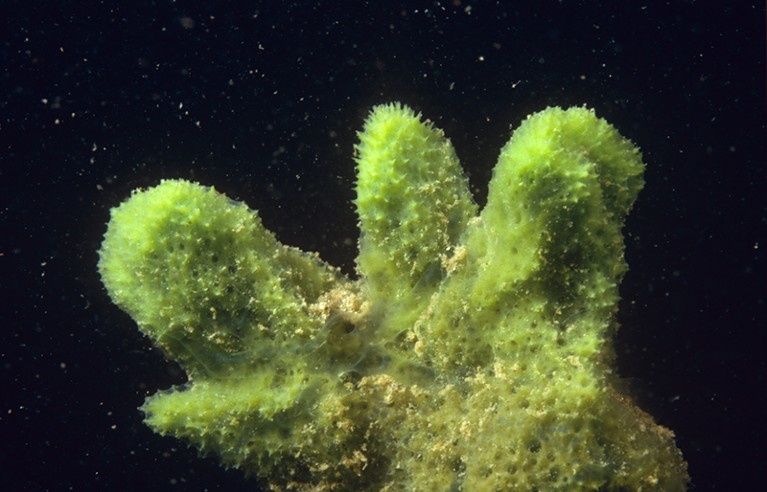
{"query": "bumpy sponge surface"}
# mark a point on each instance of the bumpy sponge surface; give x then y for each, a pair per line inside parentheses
(474, 352)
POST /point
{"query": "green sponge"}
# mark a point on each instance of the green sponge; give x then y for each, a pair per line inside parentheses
(474, 352)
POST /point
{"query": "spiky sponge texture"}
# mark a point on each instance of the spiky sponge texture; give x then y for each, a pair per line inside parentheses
(474, 353)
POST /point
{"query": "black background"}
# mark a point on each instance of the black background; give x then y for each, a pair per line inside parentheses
(263, 99)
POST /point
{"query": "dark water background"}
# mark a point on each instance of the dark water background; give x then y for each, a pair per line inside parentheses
(262, 100)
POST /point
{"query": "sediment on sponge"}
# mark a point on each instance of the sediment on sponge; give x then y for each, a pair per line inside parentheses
(473, 353)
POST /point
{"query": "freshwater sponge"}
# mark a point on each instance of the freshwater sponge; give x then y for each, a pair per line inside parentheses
(474, 352)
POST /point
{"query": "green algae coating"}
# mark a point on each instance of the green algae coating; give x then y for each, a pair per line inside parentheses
(474, 353)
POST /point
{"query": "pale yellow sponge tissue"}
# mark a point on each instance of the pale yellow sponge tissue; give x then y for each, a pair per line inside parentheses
(474, 353)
